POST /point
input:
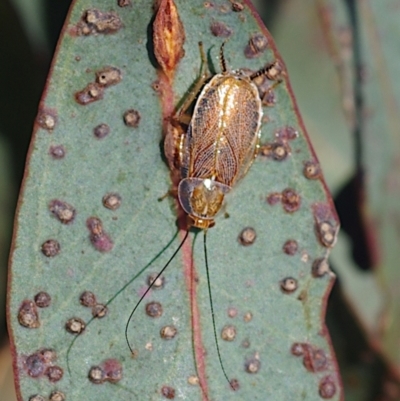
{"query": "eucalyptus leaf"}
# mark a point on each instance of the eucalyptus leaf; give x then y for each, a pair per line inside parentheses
(90, 220)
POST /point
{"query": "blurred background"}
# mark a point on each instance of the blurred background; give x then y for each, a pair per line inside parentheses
(342, 58)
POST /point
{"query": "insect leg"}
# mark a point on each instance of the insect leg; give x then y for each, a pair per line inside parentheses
(222, 60)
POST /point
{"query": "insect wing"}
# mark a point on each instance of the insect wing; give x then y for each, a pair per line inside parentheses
(223, 134)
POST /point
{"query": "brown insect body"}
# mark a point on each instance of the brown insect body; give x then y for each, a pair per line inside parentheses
(219, 146)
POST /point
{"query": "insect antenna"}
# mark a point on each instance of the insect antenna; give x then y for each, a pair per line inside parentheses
(121, 290)
(184, 105)
(150, 287)
(203, 68)
(212, 312)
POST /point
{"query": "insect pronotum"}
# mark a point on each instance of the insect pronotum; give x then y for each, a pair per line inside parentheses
(215, 152)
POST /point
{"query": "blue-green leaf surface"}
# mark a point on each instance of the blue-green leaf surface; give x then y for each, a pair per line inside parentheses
(281, 349)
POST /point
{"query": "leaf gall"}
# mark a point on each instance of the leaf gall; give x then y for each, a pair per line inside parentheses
(50, 248)
(28, 315)
(247, 236)
(42, 299)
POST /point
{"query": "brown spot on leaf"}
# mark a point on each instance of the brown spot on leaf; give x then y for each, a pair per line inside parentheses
(99, 311)
(327, 387)
(248, 317)
(57, 396)
(274, 198)
(132, 118)
(62, 210)
(297, 349)
(290, 200)
(98, 237)
(75, 325)
(108, 76)
(232, 312)
(28, 315)
(88, 299)
(109, 370)
(193, 380)
(312, 170)
(279, 149)
(236, 6)
(235, 385)
(220, 29)
(95, 22)
(112, 370)
(247, 236)
(168, 392)
(49, 355)
(157, 86)
(57, 151)
(252, 365)
(112, 201)
(320, 267)
(276, 150)
(91, 93)
(37, 397)
(168, 332)
(314, 359)
(326, 224)
(156, 282)
(286, 134)
(124, 3)
(47, 119)
(42, 299)
(51, 248)
(154, 309)
(37, 363)
(326, 233)
(101, 131)
(96, 375)
(228, 333)
(288, 285)
(290, 247)
(257, 44)
(54, 373)
(168, 37)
